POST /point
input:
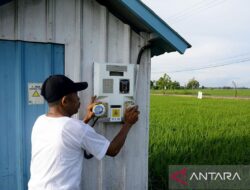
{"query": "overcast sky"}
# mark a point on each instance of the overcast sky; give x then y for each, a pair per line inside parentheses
(219, 32)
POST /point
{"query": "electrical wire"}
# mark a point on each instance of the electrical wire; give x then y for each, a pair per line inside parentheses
(86, 154)
(192, 8)
(96, 119)
(228, 61)
(211, 66)
(186, 13)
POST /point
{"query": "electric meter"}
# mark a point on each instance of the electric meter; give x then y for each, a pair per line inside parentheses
(114, 87)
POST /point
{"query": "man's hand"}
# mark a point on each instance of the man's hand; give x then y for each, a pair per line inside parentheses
(130, 118)
(89, 115)
(131, 115)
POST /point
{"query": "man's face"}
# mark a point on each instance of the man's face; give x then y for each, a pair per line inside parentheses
(73, 103)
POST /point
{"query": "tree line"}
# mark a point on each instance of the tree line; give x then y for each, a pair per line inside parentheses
(165, 83)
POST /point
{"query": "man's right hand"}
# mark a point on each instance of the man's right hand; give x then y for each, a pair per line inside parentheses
(131, 115)
(89, 113)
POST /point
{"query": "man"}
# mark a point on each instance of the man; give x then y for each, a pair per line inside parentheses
(58, 140)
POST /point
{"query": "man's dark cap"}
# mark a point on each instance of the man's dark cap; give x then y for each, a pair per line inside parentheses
(57, 86)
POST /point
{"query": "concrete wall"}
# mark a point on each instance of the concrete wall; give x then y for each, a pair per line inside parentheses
(90, 33)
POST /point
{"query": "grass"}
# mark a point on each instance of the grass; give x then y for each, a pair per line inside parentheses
(207, 92)
(186, 130)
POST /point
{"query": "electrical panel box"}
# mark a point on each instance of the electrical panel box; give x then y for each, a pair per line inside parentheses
(114, 87)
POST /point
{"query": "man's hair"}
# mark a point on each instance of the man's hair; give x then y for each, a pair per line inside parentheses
(55, 103)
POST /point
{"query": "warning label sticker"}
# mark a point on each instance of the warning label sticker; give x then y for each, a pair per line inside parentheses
(34, 93)
(115, 114)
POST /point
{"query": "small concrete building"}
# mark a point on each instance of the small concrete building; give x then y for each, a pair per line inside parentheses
(43, 37)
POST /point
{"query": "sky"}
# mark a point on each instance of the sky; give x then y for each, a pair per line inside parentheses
(219, 32)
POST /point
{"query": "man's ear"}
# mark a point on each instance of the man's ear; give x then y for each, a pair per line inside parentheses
(64, 100)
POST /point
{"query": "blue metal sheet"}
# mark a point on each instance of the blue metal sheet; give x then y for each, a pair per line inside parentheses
(22, 63)
(8, 149)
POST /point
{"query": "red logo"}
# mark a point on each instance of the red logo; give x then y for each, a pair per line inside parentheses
(180, 176)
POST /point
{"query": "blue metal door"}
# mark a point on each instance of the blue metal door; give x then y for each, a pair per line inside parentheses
(22, 64)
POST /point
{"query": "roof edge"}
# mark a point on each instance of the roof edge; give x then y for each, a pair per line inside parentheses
(156, 24)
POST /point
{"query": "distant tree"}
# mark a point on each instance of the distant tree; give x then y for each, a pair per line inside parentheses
(151, 84)
(182, 87)
(175, 85)
(164, 82)
(226, 87)
(193, 84)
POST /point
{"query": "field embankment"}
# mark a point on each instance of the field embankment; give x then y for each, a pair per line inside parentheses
(241, 93)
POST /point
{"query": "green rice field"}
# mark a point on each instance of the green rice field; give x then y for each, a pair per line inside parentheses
(187, 130)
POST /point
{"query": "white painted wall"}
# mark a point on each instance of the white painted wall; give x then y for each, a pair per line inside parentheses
(91, 34)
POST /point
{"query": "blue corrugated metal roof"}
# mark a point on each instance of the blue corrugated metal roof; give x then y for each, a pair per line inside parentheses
(143, 19)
